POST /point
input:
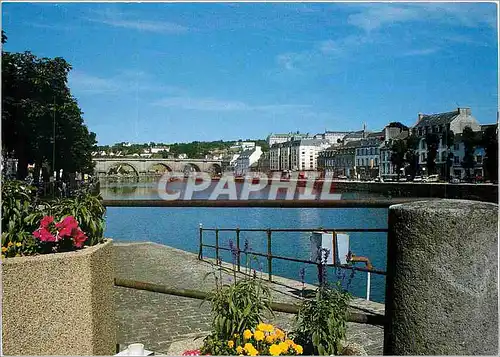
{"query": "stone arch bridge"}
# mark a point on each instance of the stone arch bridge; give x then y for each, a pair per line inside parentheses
(143, 166)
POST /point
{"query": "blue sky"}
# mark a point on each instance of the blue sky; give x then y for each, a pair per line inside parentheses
(172, 72)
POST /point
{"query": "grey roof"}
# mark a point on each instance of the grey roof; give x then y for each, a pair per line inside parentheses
(486, 126)
(353, 144)
(375, 134)
(437, 119)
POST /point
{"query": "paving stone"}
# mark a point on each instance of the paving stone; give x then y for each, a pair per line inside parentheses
(157, 320)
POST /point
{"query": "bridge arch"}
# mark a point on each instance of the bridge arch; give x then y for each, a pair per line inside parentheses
(159, 167)
(190, 167)
(122, 168)
(215, 169)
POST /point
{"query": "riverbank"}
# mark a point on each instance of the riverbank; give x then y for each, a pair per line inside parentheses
(158, 320)
(477, 192)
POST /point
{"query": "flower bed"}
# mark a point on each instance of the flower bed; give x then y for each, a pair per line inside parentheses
(59, 304)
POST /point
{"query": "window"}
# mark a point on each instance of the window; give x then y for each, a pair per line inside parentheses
(479, 159)
(443, 156)
(362, 162)
(359, 162)
(376, 162)
(456, 160)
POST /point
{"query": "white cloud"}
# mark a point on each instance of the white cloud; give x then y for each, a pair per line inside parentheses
(146, 25)
(420, 52)
(129, 20)
(213, 104)
(126, 81)
(376, 16)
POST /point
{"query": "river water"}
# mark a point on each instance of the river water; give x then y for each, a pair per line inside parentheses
(178, 227)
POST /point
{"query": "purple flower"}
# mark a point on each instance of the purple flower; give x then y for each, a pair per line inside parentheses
(234, 250)
(302, 273)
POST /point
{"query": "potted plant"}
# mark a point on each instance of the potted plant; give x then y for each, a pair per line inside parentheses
(57, 275)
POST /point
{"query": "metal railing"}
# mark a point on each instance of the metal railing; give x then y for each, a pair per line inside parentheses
(270, 256)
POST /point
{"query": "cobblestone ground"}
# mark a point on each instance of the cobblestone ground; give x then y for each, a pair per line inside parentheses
(157, 320)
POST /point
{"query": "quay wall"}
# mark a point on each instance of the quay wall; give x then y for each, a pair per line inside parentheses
(476, 192)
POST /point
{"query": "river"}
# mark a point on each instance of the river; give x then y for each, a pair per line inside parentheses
(178, 227)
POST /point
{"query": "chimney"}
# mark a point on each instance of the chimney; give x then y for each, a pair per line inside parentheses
(464, 111)
(420, 116)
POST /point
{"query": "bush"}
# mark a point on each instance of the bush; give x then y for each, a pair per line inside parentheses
(321, 322)
(22, 214)
(236, 308)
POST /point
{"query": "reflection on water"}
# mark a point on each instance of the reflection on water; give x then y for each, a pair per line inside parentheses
(144, 190)
(178, 227)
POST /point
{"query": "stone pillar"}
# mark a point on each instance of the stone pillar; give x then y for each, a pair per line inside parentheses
(442, 275)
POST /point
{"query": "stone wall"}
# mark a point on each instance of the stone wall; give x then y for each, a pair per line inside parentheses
(59, 304)
(479, 192)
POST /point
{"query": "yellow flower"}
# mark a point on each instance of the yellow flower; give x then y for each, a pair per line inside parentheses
(10, 244)
(4, 249)
(289, 342)
(247, 334)
(298, 349)
(279, 334)
(236, 335)
(284, 346)
(275, 350)
(270, 338)
(251, 350)
(239, 350)
(259, 335)
(265, 327)
(248, 346)
(230, 343)
(18, 244)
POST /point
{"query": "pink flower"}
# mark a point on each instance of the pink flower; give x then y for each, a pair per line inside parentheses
(79, 239)
(67, 227)
(46, 221)
(44, 235)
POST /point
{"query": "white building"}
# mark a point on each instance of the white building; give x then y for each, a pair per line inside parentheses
(158, 149)
(282, 138)
(333, 137)
(246, 159)
(297, 155)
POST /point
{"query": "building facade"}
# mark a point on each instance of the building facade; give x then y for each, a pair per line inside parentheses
(439, 124)
(367, 158)
(282, 138)
(338, 161)
(246, 160)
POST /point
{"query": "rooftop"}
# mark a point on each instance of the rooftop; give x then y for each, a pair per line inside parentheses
(436, 119)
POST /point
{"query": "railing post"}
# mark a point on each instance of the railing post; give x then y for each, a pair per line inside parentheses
(200, 254)
(368, 277)
(269, 256)
(217, 246)
(238, 247)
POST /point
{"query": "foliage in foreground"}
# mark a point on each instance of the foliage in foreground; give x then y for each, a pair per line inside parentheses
(23, 215)
(322, 321)
(236, 308)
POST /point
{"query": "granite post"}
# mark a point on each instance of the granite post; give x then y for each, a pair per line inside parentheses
(442, 276)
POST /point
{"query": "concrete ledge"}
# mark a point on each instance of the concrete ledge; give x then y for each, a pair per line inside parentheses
(442, 287)
(59, 304)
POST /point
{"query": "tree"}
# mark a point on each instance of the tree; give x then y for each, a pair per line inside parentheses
(470, 142)
(432, 142)
(36, 101)
(448, 139)
(489, 141)
(398, 153)
(411, 156)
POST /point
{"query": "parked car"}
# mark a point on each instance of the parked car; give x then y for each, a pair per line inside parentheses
(455, 180)
(379, 179)
(418, 179)
(432, 178)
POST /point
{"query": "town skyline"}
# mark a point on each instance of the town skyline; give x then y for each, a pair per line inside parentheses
(205, 72)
